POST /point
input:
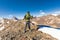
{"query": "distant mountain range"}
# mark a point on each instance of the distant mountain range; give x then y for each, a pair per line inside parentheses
(50, 20)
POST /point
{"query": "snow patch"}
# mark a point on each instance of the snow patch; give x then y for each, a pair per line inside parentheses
(1, 20)
(53, 32)
(1, 28)
(55, 14)
(8, 22)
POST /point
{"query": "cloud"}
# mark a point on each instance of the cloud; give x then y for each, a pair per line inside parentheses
(42, 12)
(55, 13)
(9, 16)
(39, 13)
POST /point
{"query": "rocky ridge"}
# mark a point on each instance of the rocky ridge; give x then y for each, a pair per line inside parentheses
(14, 30)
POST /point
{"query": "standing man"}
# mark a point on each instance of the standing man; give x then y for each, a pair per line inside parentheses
(27, 17)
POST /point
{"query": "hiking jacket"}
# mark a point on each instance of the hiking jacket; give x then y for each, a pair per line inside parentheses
(27, 17)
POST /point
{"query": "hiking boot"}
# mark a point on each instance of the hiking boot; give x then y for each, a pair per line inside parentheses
(24, 31)
(30, 30)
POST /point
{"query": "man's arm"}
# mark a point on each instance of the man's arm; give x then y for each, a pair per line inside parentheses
(31, 17)
(25, 17)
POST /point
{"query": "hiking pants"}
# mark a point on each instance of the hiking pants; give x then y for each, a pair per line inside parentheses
(27, 25)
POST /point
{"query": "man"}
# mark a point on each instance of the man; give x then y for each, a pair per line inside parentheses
(27, 17)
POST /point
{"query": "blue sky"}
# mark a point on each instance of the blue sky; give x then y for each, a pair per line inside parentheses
(19, 8)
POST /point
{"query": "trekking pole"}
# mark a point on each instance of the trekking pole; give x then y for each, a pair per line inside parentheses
(34, 24)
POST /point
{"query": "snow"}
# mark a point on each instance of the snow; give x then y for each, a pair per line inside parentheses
(53, 32)
(8, 22)
(1, 28)
(55, 14)
(1, 20)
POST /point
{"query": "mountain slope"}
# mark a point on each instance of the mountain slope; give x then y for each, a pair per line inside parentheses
(14, 30)
(50, 20)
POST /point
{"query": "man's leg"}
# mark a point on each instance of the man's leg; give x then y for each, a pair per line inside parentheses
(29, 25)
(25, 27)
